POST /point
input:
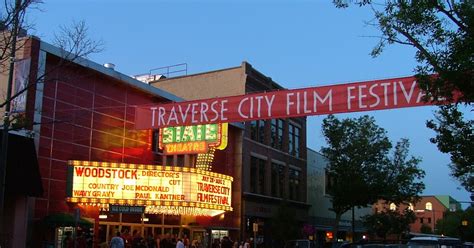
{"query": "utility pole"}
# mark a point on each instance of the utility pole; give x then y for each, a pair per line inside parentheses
(6, 120)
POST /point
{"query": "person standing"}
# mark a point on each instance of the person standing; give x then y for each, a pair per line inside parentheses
(117, 241)
(68, 241)
(180, 244)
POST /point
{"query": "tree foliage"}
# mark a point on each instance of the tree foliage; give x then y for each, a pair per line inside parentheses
(73, 41)
(442, 33)
(389, 222)
(451, 224)
(360, 165)
(456, 137)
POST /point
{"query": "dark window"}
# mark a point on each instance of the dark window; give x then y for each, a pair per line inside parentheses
(180, 161)
(421, 220)
(257, 177)
(155, 142)
(253, 175)
(261, 176)
(294, 184)
(277, 133)
(257, 130)
(294, 140)
(281, 180)
(429, 220)
(192, 160)
(275, 179)
(169, 160)
(328, 183)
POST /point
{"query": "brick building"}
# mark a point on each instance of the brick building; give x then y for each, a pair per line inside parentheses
(82, 111)
(273, 152)
(428, 210)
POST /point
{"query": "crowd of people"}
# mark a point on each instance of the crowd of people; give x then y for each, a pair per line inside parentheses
(136, 240)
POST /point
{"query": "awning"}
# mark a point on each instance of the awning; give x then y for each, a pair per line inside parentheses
(65, 219)
(22, 173)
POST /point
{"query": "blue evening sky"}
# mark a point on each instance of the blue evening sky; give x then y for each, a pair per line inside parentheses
(297, 43)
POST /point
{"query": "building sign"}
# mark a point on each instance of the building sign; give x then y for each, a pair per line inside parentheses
(161, 188)
(124, 209)
(332, 99)
(193, 139)
(20, 82)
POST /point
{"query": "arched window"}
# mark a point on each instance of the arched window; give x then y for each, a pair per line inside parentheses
(410, 207)
(393, 207)
(429, 206)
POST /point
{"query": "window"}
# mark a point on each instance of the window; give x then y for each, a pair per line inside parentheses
(429, 220)
(421, 220)
(277, 133)
(257, 130)
(328, 183)
(155, 141)
(393, 207)
(275, 179)
(253, 175)
(257, 175)
(281, 180)
(294, 140)
(294, 183)
(180, 161)
(169, 160)
(429, 206)
(261, 176)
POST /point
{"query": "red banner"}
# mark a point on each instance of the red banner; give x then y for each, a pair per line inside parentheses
(331, 99)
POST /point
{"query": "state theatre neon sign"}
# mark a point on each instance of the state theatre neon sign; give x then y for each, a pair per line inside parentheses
(162, 189)
(193, 139)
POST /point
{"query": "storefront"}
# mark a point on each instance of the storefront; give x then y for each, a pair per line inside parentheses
(149, 199)
(91, 159)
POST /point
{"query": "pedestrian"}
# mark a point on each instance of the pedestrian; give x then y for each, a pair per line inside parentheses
(127, 238)
(117, 241)
(137, 239)
(180, 244)
(68, 241)
(226, 243)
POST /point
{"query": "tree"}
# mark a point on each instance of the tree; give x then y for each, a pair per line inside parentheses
(442, 34)
(451, 224)
(389, 222)
(74, 44)
(456, 137)
(360, 165)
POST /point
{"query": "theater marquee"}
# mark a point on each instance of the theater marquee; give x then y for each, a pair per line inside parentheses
(193, 139)
(162, 189)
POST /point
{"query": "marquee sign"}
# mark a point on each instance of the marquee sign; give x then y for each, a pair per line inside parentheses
(193, 139)
(342, 98)
(192, 190)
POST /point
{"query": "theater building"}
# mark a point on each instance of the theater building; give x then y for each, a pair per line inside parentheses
(273, 151)
(99, 175)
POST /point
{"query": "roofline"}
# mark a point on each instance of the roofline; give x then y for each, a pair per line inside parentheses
(195, 74)
(134, 83)
(44, 46)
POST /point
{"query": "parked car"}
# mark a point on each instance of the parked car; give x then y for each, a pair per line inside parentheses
(434, 242)
(300, 243)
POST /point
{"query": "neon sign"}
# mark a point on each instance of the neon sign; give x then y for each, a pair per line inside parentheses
(193, 139)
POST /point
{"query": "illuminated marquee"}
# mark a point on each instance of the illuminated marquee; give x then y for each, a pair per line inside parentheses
(162, 189)
(193, 139)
